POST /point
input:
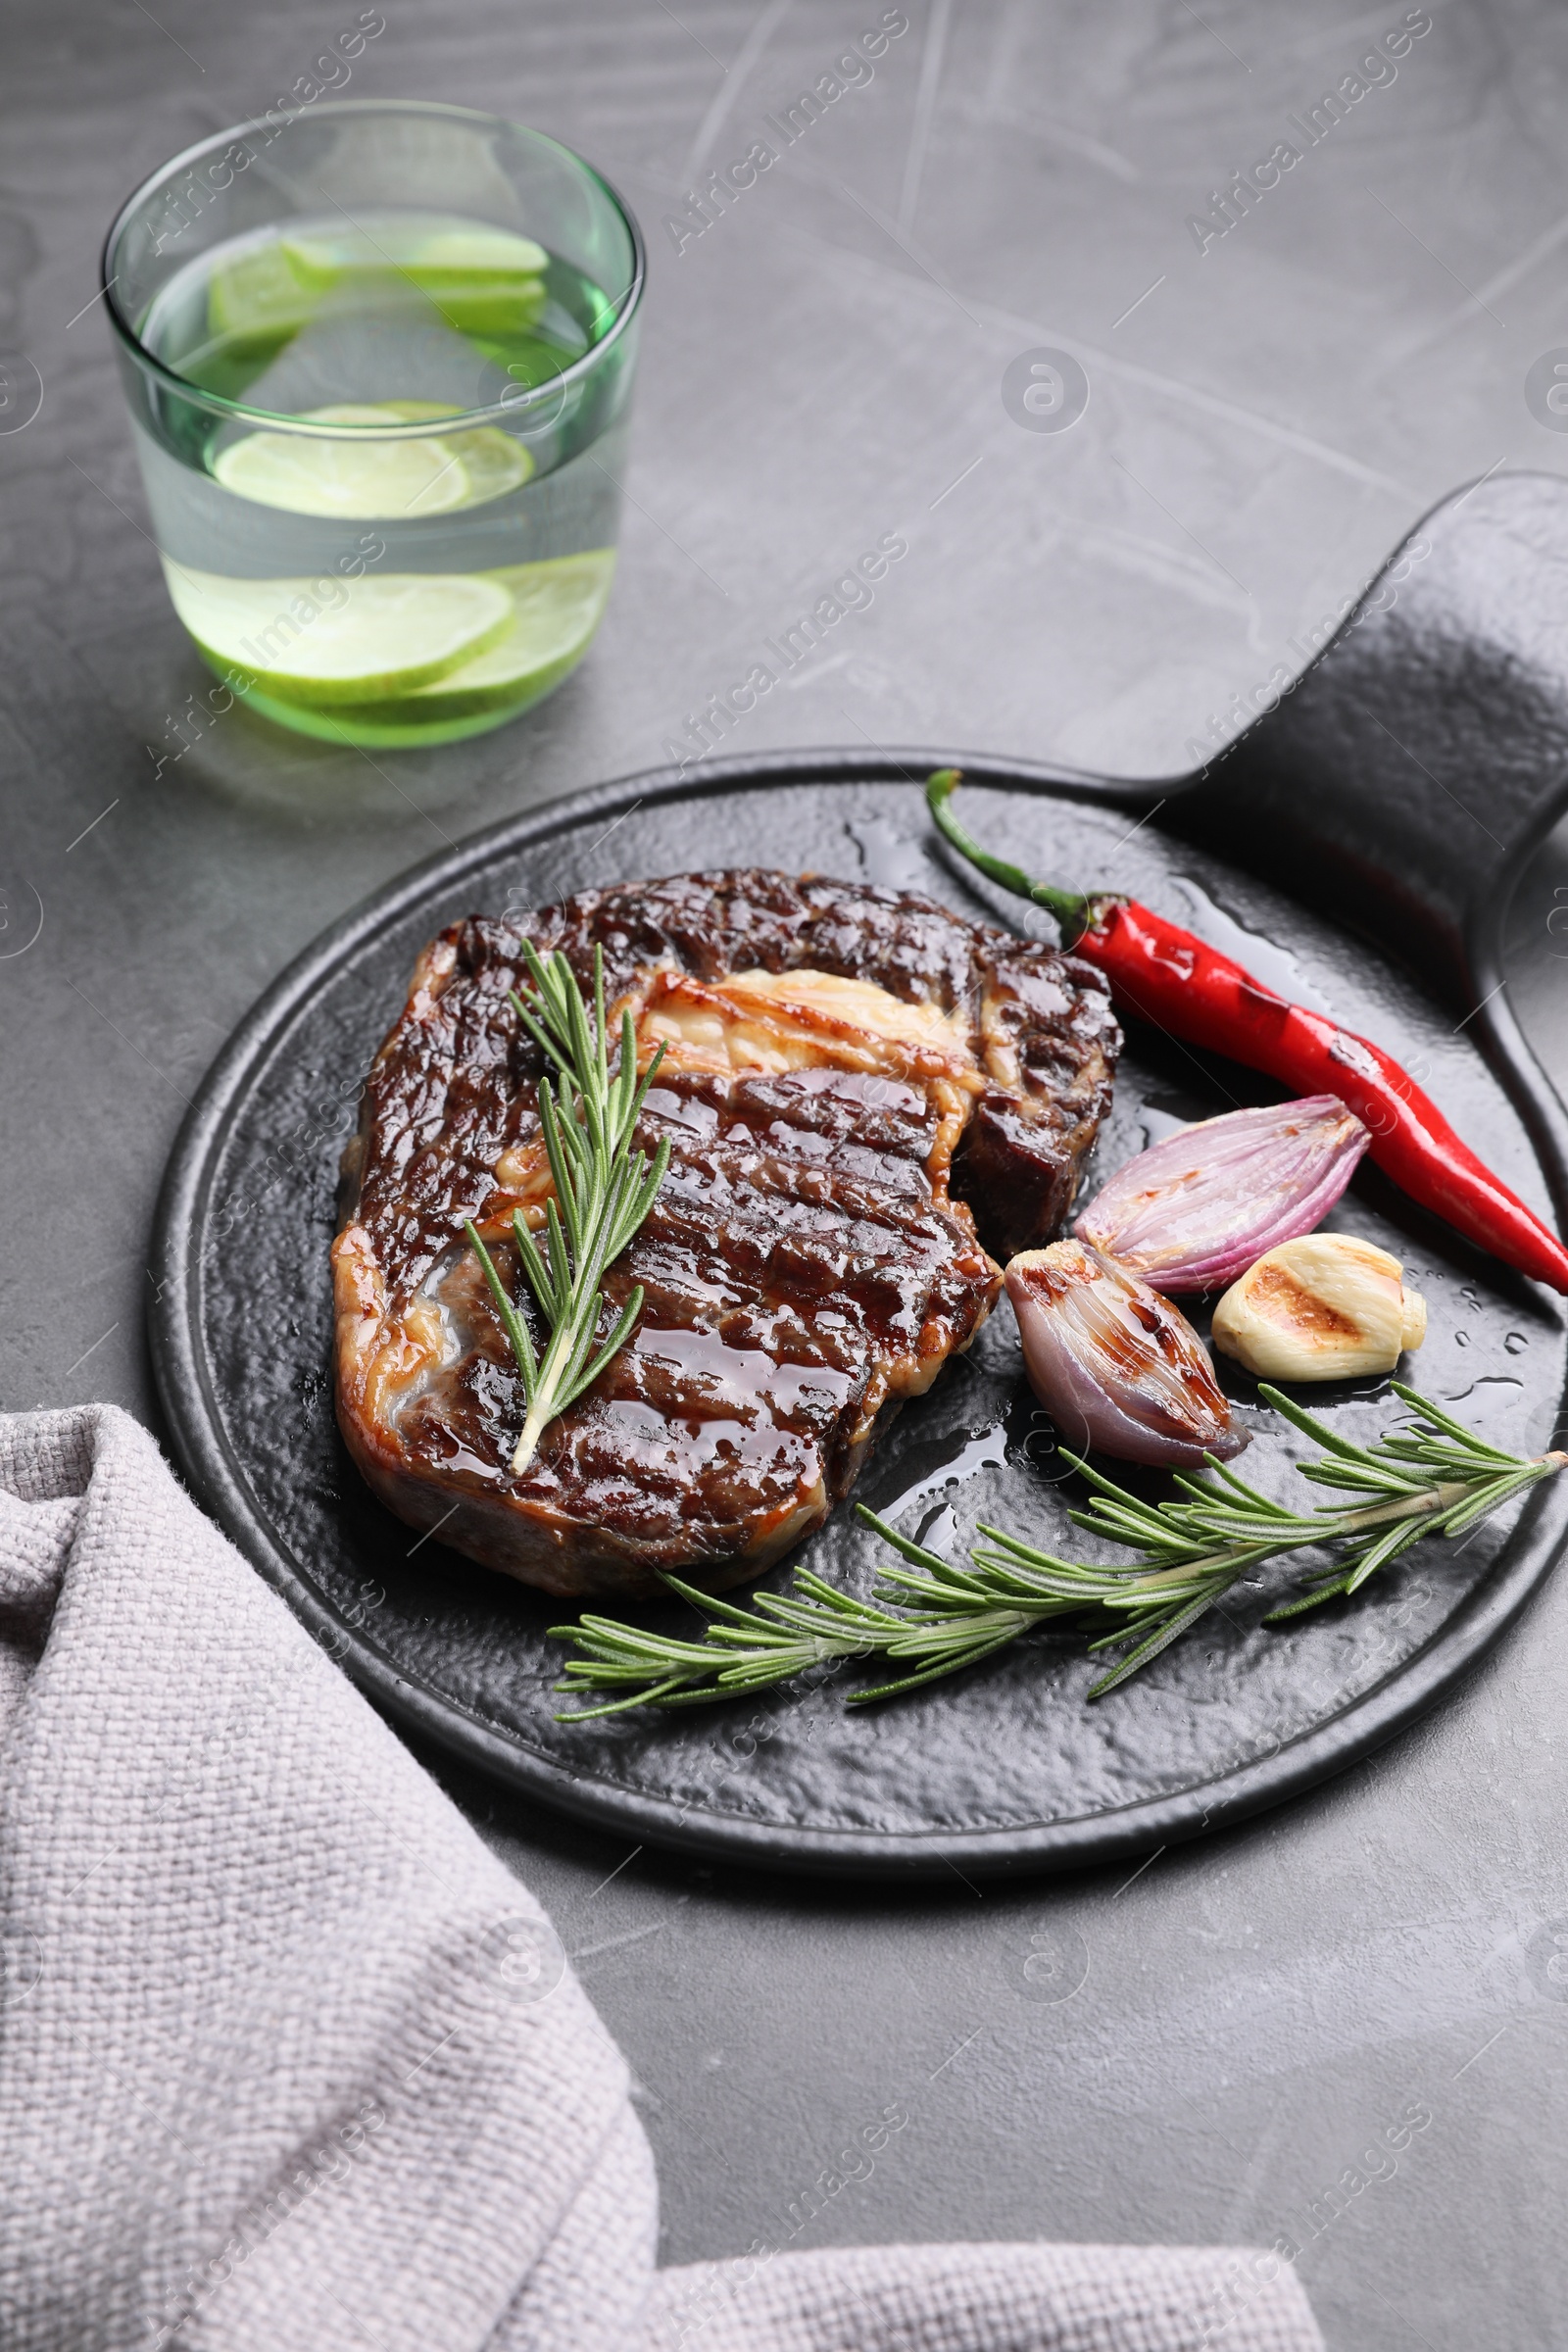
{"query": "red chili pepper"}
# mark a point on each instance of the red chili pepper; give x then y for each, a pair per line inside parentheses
(1173, 979)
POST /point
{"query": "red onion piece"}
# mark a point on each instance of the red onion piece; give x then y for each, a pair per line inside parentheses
(1200, 1208)
(1115, 1365)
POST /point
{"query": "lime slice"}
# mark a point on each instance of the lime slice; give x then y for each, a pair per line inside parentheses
(556, 608)
(492, 459)
(331, 640)
(396, 480)
(349, 478)
(493, 462)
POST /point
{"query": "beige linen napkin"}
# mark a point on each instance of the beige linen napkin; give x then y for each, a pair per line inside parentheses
(289, 2062)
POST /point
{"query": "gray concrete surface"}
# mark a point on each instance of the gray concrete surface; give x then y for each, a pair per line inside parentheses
(1267, 416)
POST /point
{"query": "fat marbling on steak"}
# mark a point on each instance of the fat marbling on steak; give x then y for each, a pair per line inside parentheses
(866, 1097)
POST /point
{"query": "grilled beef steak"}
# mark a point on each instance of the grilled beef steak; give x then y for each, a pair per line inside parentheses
(854, 1080)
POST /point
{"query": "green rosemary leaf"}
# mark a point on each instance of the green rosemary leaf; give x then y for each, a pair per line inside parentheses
(952, 1664)
(1170, 1630)
(1311, 1426)
(1330, 1590)
(1382, 1549)
(904, 1546)
(1434, 1416)
(516, 1329)
(1375, 1479)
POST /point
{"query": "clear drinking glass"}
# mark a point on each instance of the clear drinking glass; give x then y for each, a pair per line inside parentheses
(379, 360)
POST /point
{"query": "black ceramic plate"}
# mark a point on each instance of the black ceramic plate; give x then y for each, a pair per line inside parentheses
(1006, 1766)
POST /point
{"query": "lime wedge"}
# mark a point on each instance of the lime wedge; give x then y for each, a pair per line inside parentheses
(481, 280)
(463, 251)
(271, 289)
(329, 640)
(556, 608)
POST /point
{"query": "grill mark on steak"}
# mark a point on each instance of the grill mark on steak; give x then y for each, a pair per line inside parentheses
(805, 1267)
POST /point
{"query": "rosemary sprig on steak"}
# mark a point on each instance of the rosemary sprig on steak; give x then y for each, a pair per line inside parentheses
(870, 1105)
(603, 1190)
(1430, 1477)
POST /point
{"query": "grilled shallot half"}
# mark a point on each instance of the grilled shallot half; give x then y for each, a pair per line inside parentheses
(1202, 1206)
(1115, 1365)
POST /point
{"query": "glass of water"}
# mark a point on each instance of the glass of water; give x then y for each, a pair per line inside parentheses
(379, 358)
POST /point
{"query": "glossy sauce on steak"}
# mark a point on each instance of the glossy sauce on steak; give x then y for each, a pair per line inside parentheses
(853, 1080)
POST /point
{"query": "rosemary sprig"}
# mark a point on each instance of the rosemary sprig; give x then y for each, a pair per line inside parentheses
(1429, 1477)
(603, 1190)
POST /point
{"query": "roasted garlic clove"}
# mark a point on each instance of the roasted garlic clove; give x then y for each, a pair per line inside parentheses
(1327, 1306)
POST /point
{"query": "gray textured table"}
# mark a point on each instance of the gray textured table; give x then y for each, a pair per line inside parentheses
(824, 365)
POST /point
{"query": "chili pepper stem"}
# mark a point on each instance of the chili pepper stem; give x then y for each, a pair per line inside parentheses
(1173, 979)
(1073, 911)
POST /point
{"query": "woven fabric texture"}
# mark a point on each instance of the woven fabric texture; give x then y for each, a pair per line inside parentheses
(288, 2058)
